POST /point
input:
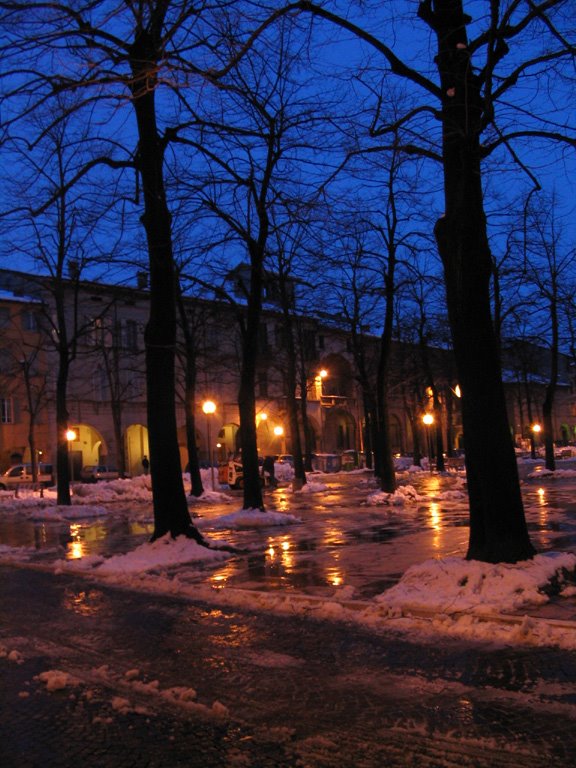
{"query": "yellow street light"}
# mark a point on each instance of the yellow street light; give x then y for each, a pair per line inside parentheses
(279, 433)
(71, 436)
(209, 408)
(428, 420)
(323, 373)
(536, 428)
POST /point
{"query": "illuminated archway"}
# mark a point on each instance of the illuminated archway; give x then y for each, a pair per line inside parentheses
(136, 447)
(229, 441)
(340, 430)
(87, 448)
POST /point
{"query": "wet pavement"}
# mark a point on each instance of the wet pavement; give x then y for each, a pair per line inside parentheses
(341, 541)
(268, 690)
(107, 678)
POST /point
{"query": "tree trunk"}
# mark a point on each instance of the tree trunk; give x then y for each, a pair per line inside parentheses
(498, 531)
(171, 513)
(291, 401)
(385, 465)
(196, 486)
(190, 377)
(253, 498)
(116, 407)
(62, 455)
(439, 441)
(548, 404)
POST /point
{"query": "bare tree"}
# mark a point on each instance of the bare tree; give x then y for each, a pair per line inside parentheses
(55, 220)
(466, 104)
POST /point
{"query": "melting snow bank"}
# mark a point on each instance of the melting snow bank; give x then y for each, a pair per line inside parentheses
(454, 585)
(451, 597)
(405, 494)
(165, 552)
(247, 518)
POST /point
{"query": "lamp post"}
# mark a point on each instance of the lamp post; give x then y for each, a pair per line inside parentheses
(279, 432)
(536, 430)
(209, 408)
(321, 376)
(71, 437)
(428, 420)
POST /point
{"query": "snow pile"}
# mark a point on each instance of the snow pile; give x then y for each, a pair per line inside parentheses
(453, 584)
(310, 487)
(135, 489)
(212, 497)
(247, 518)
(548, 474)
(283, 471)
(62, 513)
(163, 553)
(405, 494)
(452, 495)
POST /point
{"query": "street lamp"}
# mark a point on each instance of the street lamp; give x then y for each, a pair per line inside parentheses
(209, 408)
(323, 374)
(71, 437)
(536, 429)
(279, 432)
(428, 420)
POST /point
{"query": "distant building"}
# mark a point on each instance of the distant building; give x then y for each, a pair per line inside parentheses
(107, 390)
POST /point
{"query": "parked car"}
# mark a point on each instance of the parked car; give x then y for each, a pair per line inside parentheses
(232, 473)
(20, 474)
(93, 473)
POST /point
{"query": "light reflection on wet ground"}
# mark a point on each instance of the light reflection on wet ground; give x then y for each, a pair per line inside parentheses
(342, 542)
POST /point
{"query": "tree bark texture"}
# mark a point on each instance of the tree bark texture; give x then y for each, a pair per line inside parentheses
(253, 498)
(171, 513)
(62, 455)
(498, 531)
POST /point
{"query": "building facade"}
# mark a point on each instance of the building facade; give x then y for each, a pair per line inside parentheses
(101, 329)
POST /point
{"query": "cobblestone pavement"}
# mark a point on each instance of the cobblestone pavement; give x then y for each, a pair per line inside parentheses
(269, 690)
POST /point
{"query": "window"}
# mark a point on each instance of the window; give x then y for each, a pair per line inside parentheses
(262, 384)
(213, 335)
(128, 335)
(30, 321)
(263, 338)
(280, 336)
(135, 385)
(100, 384)
(6, 410)
(309, 345)
(6, 362)
(94, 331)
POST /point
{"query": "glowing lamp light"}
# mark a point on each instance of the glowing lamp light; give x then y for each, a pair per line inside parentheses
(71, 435)
(323, 373)
(428, 419)
(536, 428)
(278, 431)
(209, 407)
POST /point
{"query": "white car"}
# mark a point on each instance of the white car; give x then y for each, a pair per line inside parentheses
(95, 472)
(21, 474)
